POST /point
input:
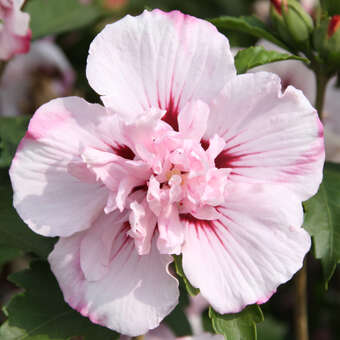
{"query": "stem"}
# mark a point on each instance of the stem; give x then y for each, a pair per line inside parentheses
(300, 280)
(139, 337)
(2, 67)
(321, 85)
(301, 319)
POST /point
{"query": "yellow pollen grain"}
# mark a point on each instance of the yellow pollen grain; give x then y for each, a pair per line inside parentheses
(170, 173)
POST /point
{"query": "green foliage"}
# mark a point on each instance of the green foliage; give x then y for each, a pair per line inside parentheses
(58, 16)
(40, 313)
(240, 326)
(197, 8)
(332, 7)
(12, 129)
(206, 322)
(256, 56)
(322, 220)
(247, 24)
(13, 231)
(177, 320)
(179, 270)
(7, 254)
(271, 329)
(327, 46)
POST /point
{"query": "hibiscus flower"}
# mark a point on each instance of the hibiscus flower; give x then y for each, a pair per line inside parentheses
(185, 158)
(15, 35)
(31, 79)
(163, 333)
(295, 73)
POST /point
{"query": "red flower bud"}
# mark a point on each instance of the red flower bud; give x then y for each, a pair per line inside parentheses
(333, 25)
(326, 39)
(277, 5)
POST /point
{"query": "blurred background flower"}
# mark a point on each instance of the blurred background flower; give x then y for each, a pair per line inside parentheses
(30, 80)
(15, 34)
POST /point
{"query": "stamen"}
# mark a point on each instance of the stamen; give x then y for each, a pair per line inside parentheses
(172, 172)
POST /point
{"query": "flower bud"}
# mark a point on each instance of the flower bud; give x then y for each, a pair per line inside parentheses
(298, 21)
(333, 25)
(278, 21)
(295, 22)
(327, 40)
(277, 5)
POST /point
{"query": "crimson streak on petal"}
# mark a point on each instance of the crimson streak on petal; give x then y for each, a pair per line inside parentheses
(123, 151)
(171, 114)
(203, 225)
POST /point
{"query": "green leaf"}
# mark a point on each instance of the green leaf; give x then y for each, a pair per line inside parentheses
(322, 220)
(12, 129)
(272, 329)
(40, 313)
(256, 56)
(331, 6)
(13, 231)
(179, 270)
(177, 320)
(58, 16)
(12, 333)
(206, 322)
(247, 24)
(240, 326)
(7, 254)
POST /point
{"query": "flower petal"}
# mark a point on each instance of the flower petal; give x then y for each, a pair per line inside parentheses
(291, 72)
(15, 35)
(136, 293)
(171, 234)
(51, 193)
(96, 246)
(143, 223)
(158, 59)
(270, 136)
(256, 244)
(193, 119)
(118, 174)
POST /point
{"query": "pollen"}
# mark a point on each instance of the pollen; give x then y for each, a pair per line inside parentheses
(172, 172)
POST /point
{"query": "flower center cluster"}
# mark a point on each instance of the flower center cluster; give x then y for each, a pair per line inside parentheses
(189, 179)
(168, 174)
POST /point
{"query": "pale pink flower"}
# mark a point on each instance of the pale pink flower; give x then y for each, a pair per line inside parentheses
(15, 35)
(204, 336)
(309, 5)
(163, 333)
(185, 158)
(194, 312)
(332, 122)
(42, 74)
(261, 9)
(295, 73)
(291, 72)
